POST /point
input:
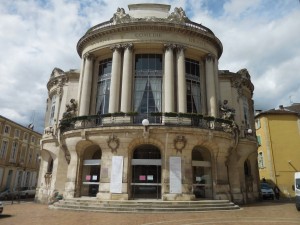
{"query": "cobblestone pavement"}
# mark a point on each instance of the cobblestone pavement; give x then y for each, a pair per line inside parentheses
(264, 213)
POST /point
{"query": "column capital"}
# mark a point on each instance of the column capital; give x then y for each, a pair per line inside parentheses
(88, 56)
(180, 48)
(209, 57)
(117, 47)
(169, 46)
(128, 46)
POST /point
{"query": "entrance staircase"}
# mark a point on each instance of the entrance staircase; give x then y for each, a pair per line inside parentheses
(91, 204)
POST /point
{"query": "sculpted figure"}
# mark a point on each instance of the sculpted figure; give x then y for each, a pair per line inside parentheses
(178, 15)
(227, 113)
(120, 16)
(71, 109)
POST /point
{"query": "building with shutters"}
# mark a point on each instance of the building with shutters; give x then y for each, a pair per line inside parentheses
(278, 139)
(19, 155)
(149, 115)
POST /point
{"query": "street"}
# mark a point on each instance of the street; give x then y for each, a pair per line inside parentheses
(265, 213)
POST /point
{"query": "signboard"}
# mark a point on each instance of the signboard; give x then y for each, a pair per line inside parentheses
(116, 174)
(175, 175)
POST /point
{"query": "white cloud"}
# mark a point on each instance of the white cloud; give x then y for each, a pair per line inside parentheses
(38, 35)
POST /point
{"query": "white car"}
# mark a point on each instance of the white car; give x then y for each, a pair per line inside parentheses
(26, 192)
(1, 207)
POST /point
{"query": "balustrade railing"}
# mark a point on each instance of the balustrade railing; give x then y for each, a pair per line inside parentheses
(155, 119)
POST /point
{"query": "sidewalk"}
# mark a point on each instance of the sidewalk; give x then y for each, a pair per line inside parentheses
(265, 213)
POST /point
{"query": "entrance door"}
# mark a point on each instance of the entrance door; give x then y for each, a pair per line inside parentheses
(202, 183)
(146, 173)
(91, 175)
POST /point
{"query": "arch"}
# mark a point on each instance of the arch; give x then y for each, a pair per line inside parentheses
(135, 143)
(202, 172)
(146, 172)
(89, 170)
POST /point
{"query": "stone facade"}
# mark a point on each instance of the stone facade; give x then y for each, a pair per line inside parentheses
(149, 115)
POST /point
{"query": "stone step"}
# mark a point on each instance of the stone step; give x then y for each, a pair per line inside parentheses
(143, 206)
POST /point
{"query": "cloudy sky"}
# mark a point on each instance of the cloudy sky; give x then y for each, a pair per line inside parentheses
(38, 35)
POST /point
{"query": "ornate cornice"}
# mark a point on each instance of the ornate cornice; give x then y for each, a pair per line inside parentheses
(103, 30)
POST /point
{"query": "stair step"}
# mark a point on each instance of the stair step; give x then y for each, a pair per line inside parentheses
(143, 206)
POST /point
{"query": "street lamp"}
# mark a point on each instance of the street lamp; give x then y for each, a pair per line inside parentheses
(145, 123)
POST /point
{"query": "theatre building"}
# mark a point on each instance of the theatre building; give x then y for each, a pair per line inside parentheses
(149, 115)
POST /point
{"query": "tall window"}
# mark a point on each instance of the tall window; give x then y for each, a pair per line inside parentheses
(6, 129)
(260, 159)
(14, 151)
(103, 89)
(17, 133)
(246, 111)
(192, 70)
(3, 149)
(148, 83)
(51, 119)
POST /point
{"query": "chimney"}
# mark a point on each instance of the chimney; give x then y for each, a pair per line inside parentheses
(281, 107)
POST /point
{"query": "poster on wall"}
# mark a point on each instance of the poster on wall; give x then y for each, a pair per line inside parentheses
(88, 177)
(142, 177)
(116, 174)
(175, 175)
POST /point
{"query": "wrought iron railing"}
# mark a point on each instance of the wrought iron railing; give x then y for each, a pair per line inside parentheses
(155, 119)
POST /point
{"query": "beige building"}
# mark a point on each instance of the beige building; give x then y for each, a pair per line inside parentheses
(19, 155)
(149, 115)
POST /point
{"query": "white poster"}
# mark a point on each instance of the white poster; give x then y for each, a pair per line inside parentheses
(175, 175)
(116, 174)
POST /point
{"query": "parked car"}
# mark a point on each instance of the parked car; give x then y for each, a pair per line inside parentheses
(1, 207)
(8, 194)
(266, 191)
(27, 192)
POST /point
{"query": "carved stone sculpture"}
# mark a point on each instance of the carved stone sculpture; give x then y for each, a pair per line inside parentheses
(71, 109)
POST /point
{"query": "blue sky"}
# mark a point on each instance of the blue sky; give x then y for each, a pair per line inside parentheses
(39, 35)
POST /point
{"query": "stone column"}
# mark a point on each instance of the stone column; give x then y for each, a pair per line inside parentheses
(127, 79)
(210, 86)
(169, 78)
(84, 107)
(181, 82)
(114, 97)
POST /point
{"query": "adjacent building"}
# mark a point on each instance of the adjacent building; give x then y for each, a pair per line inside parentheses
(19, 155)
(149, 115)
(278, 133)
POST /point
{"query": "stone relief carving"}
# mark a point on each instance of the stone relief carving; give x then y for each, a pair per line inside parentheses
(178, 16)
(180, 143)
(113, 143)
(71, 109)
(49, 130)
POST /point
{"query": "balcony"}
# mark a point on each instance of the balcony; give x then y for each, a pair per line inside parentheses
(155, 119)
